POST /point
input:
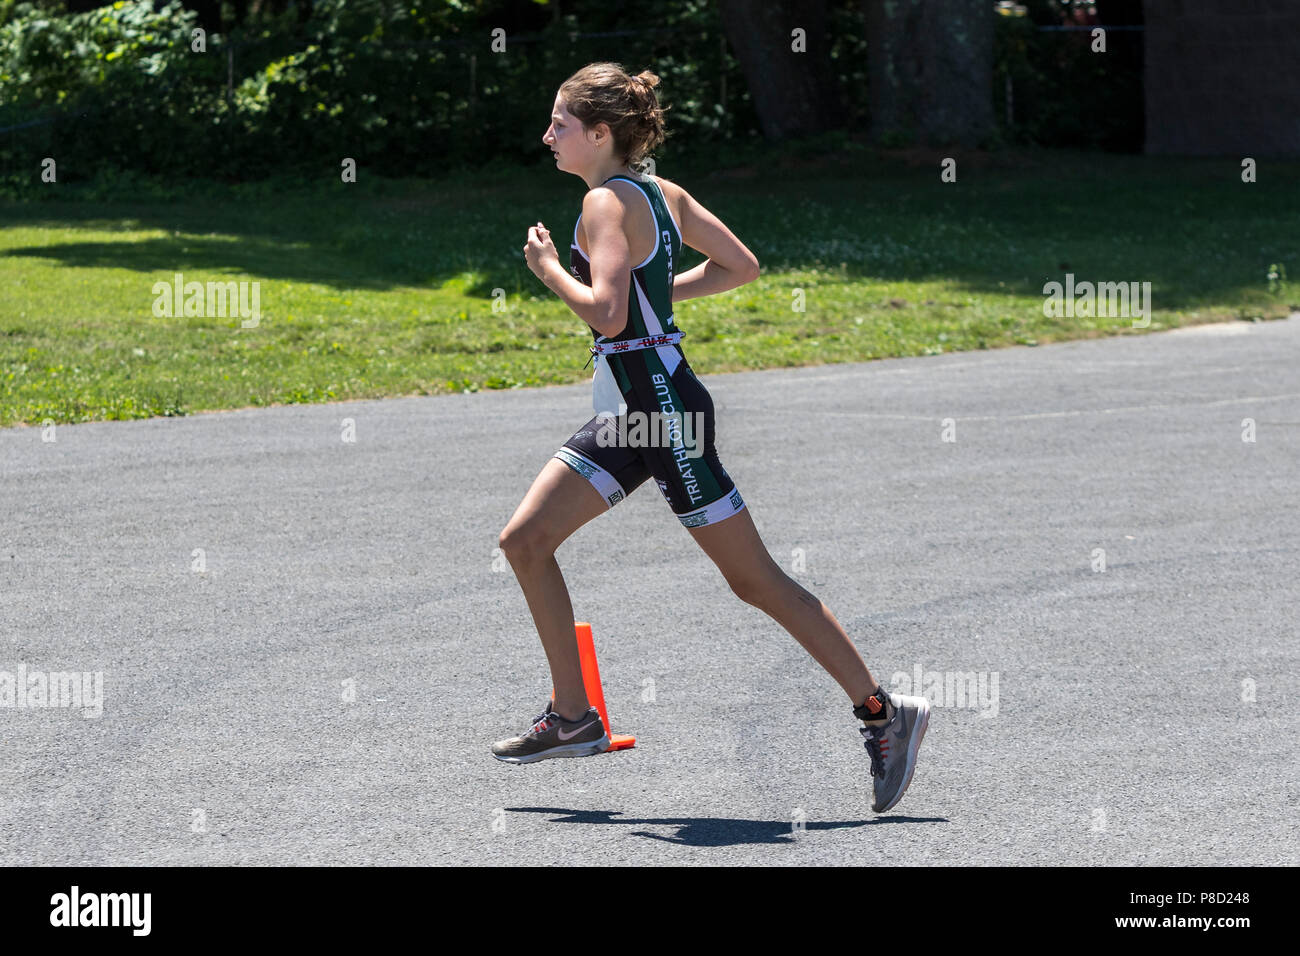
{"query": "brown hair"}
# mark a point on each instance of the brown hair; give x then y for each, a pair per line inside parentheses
(604, 93)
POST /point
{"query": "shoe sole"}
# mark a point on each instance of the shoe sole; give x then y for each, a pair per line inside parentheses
(913, 746)
(588, 749)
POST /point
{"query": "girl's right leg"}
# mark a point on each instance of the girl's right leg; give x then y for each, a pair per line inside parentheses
(559, 502)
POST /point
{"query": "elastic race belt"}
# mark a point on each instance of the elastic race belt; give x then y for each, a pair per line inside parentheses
(649, 342)
(631, 345)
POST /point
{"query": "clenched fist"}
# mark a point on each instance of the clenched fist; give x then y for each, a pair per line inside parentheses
(539, 250)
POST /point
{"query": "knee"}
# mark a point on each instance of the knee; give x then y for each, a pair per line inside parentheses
(524, 544)
(770, 589)
(757, 590)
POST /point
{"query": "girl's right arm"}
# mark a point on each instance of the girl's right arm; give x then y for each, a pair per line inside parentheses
(729, 263)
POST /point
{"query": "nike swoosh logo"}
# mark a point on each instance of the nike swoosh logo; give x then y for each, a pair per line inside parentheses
(563, 736)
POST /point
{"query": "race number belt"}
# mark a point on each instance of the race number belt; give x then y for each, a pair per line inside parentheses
(649, 342)
(631, 345)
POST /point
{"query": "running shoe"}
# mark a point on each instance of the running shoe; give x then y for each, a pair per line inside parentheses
(550, 735)
(892, 743)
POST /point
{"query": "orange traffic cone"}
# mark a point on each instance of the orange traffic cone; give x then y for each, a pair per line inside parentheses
(591, 682)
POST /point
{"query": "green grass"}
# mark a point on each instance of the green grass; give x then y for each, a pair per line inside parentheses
(386, 288)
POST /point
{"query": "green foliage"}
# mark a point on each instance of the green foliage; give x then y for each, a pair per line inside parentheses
(418, 88)
(1276, 276)
(403, 88)
(113, 87)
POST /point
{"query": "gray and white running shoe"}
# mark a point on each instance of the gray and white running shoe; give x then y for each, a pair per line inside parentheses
(552, 736)
(893, 743)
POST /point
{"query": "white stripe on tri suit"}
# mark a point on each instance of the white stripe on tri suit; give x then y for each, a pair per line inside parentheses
(667, 353)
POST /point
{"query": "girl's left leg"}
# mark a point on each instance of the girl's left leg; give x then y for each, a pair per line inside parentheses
(894, 735)
(736, 548)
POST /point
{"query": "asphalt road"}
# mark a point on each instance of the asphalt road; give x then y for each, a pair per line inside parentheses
(306, 647)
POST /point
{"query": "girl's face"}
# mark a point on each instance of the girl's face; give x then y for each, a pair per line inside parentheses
(573, 146)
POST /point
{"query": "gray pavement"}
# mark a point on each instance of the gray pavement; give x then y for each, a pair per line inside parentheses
(307, 647)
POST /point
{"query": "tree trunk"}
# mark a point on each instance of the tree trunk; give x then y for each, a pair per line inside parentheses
(931, 70)
(792, 91)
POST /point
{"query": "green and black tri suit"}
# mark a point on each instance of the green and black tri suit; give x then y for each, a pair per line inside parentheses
(672, 439)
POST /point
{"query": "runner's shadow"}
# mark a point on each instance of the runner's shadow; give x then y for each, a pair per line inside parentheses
(715, 831)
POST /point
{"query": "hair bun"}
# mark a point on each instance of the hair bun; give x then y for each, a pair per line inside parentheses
(605, 92)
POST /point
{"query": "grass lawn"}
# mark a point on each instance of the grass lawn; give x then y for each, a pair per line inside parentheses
(387, 288)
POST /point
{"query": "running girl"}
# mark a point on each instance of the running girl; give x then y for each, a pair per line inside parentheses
(621, 282)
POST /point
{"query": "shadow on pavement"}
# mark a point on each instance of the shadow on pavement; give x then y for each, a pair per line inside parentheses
(715, 831)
